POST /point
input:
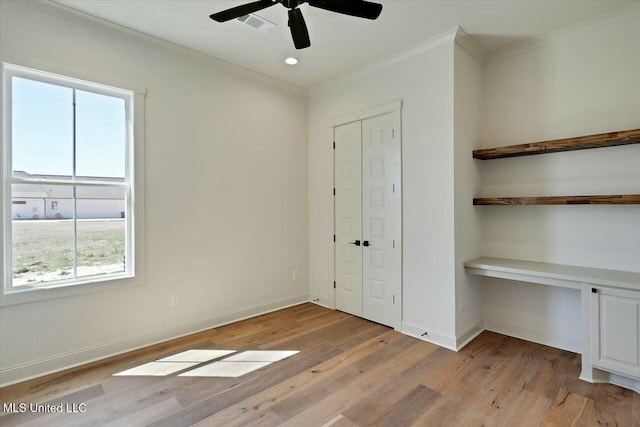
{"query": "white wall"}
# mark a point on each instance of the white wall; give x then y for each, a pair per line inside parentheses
(584, 84)
(226, 194)
(424, 83)
(28, 210)
(467, 109)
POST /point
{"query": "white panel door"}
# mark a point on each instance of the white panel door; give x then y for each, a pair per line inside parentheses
(348, 217)
(381, 224)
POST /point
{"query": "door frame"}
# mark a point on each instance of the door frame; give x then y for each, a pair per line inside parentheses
(394, 107)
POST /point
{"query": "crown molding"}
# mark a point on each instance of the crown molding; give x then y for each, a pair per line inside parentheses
(469, 45)
(631, 12)
(61, 11)
(398, 56)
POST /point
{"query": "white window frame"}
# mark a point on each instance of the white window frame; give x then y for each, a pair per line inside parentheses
(133, 184)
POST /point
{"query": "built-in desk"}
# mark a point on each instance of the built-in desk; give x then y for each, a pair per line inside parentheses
(610, 301)
(565, 276)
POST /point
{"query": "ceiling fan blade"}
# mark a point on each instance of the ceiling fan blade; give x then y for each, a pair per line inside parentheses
(359, 8)
(298, 28)
(238, 11)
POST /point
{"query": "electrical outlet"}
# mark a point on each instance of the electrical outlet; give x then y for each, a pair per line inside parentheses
(175, 299)
(294, 275)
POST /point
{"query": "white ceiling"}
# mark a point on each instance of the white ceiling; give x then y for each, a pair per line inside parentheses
(340, 43)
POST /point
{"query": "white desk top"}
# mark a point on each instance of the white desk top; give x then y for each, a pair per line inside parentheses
(568, 276)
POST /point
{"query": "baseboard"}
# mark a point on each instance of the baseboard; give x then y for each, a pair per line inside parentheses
(625, 382)
(597, 376)
(430, 335)
(50, 365)
(467, 336)
(552, 340)
(317, 302)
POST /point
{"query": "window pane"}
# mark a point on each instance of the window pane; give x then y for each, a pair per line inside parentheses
(100, 135)
(42, 249)
(42, 128)
(101, 230)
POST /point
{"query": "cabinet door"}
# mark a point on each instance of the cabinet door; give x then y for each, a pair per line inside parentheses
(615, 331)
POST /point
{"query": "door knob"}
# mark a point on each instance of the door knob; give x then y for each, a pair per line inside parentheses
(365, 243)
(357, 243)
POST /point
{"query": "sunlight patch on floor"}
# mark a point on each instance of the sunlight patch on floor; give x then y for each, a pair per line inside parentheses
(230, 367)
(225, 369)
(196, 356)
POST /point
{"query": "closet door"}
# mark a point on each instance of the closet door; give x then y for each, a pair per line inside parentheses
(381, 179)
(348, 217)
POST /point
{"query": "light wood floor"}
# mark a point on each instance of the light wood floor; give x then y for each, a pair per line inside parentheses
(349, 372)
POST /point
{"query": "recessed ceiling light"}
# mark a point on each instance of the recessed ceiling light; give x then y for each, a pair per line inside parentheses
(291, 60)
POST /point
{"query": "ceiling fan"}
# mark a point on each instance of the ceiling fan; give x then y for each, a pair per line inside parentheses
(299, 32)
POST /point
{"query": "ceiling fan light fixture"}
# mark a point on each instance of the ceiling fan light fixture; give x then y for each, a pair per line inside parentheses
(291, 60)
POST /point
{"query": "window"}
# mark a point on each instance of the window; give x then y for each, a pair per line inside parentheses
(68, 181)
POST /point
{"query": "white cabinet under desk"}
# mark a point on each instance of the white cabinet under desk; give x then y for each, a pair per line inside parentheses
(610, 306)
(615, 328)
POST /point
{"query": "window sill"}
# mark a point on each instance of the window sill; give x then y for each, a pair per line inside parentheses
(41, 293)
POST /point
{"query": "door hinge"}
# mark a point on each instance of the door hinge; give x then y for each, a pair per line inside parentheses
(394, 299)
(334, 284)
(393, 133)
(394, 189)
(394, 244)
(334, 145)
(334, 191)
(334, 237)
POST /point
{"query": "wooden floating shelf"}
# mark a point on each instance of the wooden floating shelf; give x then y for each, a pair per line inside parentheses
(610, 139)
(616, 199)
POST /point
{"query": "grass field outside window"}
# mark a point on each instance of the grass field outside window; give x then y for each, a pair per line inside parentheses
(43, 249)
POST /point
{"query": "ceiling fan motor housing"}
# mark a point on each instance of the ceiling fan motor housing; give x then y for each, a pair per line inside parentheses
(291, 4)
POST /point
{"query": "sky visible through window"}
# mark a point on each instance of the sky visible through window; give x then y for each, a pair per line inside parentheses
(42, 131)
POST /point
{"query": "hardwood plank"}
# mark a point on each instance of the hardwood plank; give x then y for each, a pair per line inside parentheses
(447, 411)
(614, 405)
(613, 199)
(609, 139)
(263, 419)
(82, 396)
(493, 383)
(236, 415)
(147, 415)
(210, 406)
(349, 372)
(526, 410)
(566, 410)
(382, 400)
(340, 421)
(579, 387)
(389, 401)
(409, 408)
(550, 375)
(336, 403)
(635, 407)
(294, 405)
